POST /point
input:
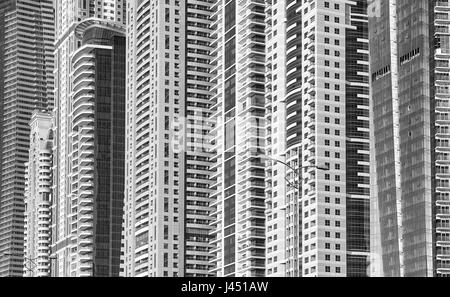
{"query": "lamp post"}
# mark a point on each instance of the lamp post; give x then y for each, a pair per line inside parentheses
(297, 185)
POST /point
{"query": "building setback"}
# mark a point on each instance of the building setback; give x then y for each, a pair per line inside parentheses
(89, 145)
(38, 197)
(26, 83)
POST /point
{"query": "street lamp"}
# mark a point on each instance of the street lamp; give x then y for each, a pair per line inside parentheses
(297, 186)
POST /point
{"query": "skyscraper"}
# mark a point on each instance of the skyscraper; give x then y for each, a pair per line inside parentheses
(26, 83)
(38, 197)
(196, 170)
(318, 152)
(441, 104)
(237, 198)
(89, 131)
(402, 80)
(167, 223)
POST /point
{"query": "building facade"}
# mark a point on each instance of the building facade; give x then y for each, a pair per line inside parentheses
(89, 145)
(195, 174)
(153, 204)
(237, 198)
(441, 66)
(402, 80)
(38, 197)
(26, 83)
(284, 136)
(167, 223)
(317, 100)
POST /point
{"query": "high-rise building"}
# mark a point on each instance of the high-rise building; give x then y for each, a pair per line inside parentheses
(195, 174)
(89, 138)
(284, 136)
(37, 261)
(167, 223)
(441, 118)
(318, 121)
(26, 83)
(238, 198)
(409, 136)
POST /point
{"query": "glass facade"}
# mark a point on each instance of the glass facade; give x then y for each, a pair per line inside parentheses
(402, 108)
(357, 124)
(109, 155)
(26, 84)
